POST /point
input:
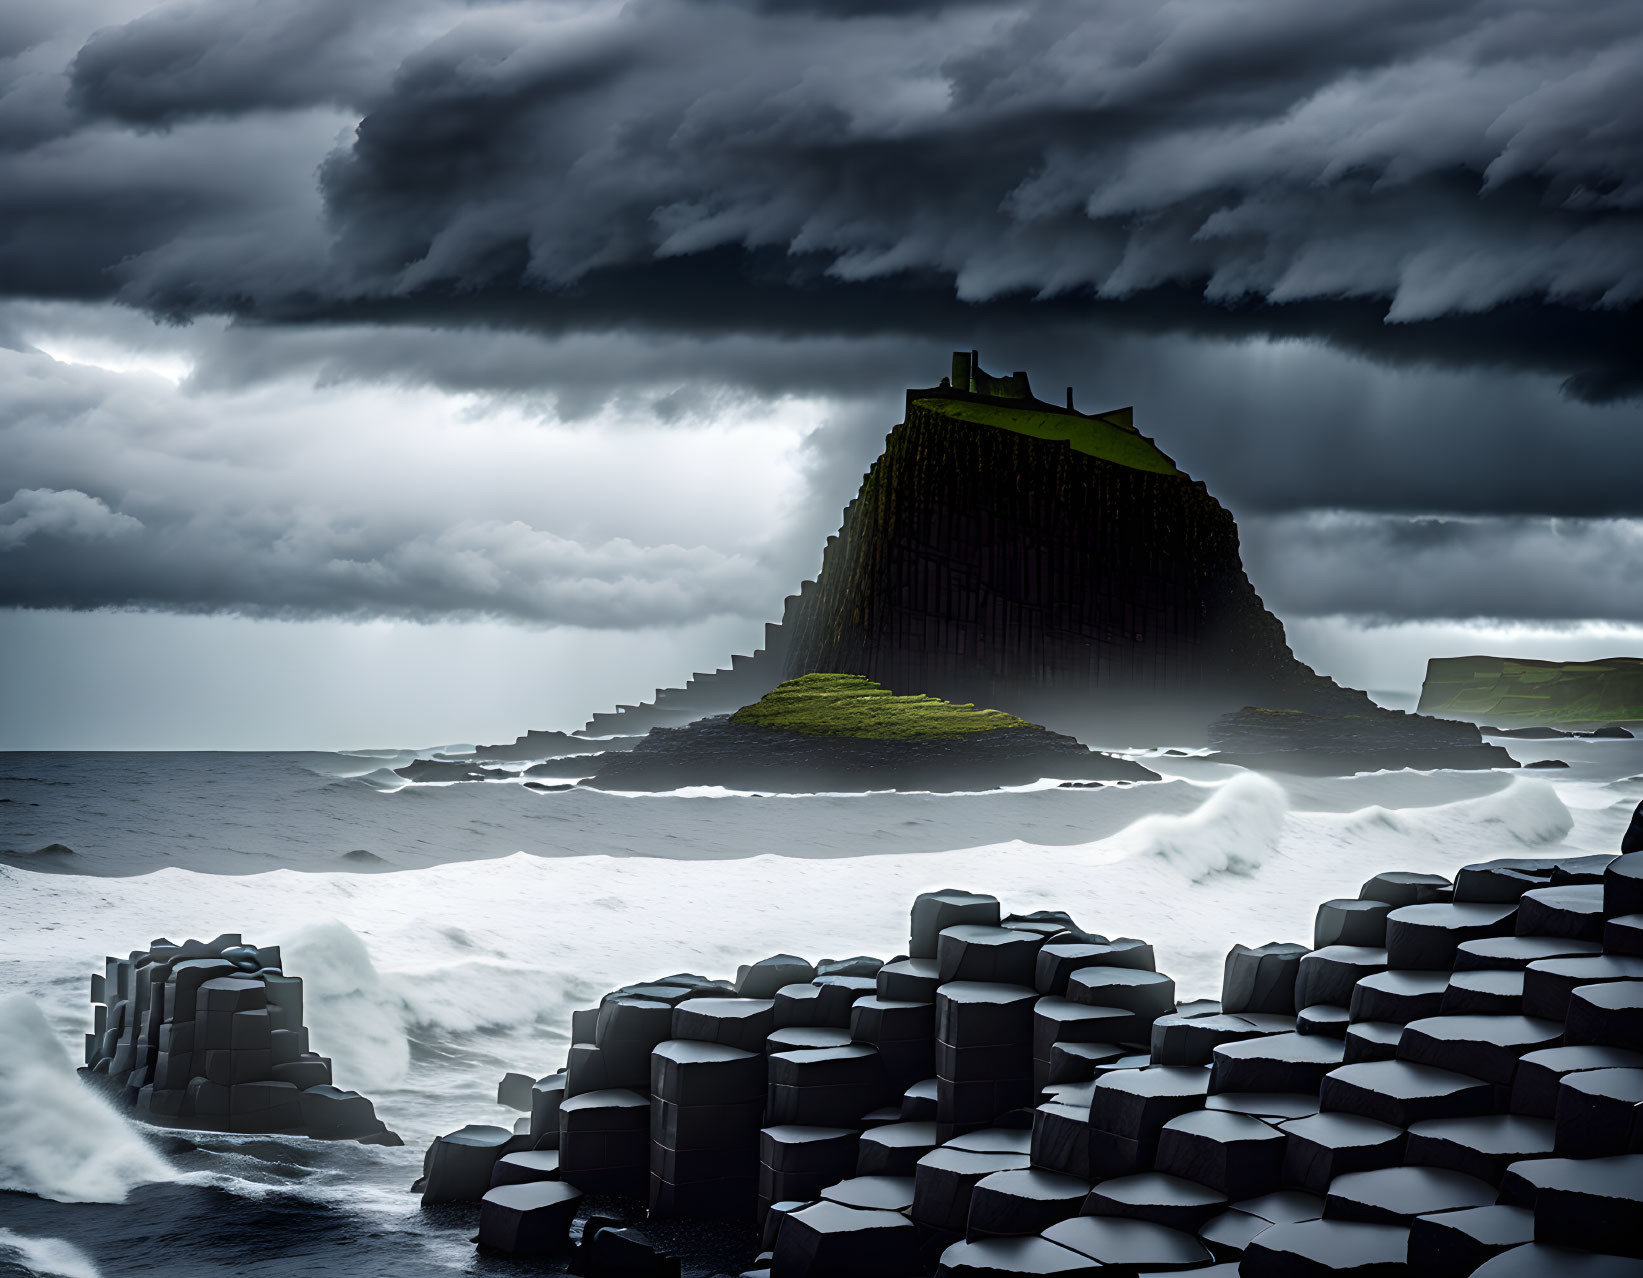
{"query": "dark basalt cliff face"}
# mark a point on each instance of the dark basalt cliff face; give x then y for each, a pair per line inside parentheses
(983, 565)
(1012, 553)
(718, 752)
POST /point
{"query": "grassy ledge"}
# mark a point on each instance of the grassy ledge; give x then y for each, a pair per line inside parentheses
(840, 705)
(1093, 435)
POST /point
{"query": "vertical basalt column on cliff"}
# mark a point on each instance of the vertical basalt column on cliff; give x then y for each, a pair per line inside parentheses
(984, 564)
(1018, 554)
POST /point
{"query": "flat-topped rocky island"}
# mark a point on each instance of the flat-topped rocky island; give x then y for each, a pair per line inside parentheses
(844, 732)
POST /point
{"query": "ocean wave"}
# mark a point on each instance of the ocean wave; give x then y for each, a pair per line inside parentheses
(58, 1138)
(364, 1019)
(432, 955)
(1528, 812)
(724, 792)
(1236, 828)
(353, 1016)
(55, 1257)
(379, 779)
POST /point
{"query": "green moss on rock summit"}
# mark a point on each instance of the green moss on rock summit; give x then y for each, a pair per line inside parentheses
(841, 705)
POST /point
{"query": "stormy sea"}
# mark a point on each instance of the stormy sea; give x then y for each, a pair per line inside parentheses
(445, 932)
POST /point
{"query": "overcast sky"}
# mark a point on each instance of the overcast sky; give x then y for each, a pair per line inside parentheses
(420, 371)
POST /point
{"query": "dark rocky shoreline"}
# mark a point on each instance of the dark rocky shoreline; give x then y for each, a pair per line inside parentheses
(718, 752)
(1311, 744)
(1448, 1080)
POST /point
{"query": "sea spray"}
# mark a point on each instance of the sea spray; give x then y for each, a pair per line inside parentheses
(52, 1257)
(1528, 812)
(58, 1138)
(364, 1017)
(1231, 832)
(353, 1015)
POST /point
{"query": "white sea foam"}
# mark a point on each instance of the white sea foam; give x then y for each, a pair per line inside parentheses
(508, 946)
(380, 779)
(58, 1138)
(1236, 827)
(49, 1256)
(355, 1017)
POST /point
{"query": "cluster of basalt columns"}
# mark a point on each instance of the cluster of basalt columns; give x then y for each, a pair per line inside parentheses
(1446, 1081)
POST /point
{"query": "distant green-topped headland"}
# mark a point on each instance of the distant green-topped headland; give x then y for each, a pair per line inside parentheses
(1517, 692)
(829, 731)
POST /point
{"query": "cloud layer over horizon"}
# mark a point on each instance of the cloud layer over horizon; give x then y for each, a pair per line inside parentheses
(1466, 179)
(593, 314)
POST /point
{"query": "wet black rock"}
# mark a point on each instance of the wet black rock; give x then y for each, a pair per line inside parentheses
(1450, 1244)
(1021, 1097)
(545, 745)
(1124, 1244)
(441, 770)
(1314, 1248)
(1275, 1063)
(1232, 1153)
(828, 1238)
(1321, 1147)
(1015, 1258)
(1533, 1260)
(1319, 744)
(1022, 1201)
(530, 1219)
(1405, 887)
(934, 912)
(1402, 1093)
(717, 751)
(1261, 979)
(460, 1166)
(1058, 960)
(620, 1251)
(209, 1034)
(1482, 1147)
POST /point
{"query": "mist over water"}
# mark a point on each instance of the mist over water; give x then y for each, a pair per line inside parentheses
(484, 913)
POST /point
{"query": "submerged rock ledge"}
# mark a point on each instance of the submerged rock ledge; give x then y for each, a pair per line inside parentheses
(721, 752)
(844, 732)
(1297, 741)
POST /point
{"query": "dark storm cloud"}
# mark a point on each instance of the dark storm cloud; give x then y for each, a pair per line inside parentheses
(68, 549)
(1383, 569)
(180, 61)
(120, 493)
(1383, 256)
(1277, 427)
(1458, 184)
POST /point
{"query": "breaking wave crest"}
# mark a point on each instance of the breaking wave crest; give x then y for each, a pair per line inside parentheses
(1527, 812)
(363, 1018)
(1249, 819)
(49, 1256)
(1231, 832)
(58, 1138)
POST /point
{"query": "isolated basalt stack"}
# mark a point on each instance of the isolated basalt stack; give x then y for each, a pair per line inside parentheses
(1011, 552)
(209, 1034)
(1447, 1081)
